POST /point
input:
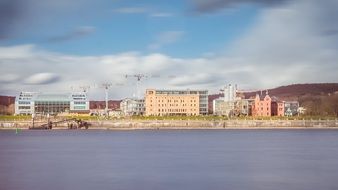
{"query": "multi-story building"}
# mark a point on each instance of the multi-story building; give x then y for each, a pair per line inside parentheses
(284, 108)
(24, 103)
(130, 107)
(277, 107)
(42, 103)
(272, 106)
(221, 107)
(231, 104)
(262, 105)
(230, 93)
(176, 102)
(7, 105)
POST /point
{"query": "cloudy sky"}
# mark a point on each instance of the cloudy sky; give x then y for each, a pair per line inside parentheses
(59, 46)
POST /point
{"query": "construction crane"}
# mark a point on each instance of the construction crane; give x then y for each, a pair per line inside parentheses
(84, 88)
(139, 78)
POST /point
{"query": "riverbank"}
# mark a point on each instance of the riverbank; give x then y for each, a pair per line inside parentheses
(186, 124)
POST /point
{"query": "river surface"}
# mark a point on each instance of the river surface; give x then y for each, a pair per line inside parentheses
(169, 159)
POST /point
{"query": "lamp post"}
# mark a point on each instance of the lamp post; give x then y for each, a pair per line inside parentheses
(33, 117)
(48, 124)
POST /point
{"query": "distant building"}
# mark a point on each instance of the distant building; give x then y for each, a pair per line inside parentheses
(42, 103)
(231, 104)
(131, 107)
(221, 107)
(7, 105)
(98, 107)
(176, 102)
(291, 108)
(277, 107)
(272, 106)
(230, 93)
(262, 105)
(243, 107)
(24, 103)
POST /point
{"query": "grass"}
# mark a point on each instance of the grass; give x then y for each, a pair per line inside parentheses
(15, 117)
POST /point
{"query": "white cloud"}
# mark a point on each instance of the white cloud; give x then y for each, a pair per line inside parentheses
(62, 71)
(42, 78)
(288, 44)
(166, 38)
(199, 79)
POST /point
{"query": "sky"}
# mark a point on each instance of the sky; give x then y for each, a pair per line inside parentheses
(60, 46)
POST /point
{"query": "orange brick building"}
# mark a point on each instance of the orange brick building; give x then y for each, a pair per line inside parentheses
(162, 102)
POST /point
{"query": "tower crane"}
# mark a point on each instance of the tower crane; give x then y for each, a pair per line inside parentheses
(139, 78)
(84, 88)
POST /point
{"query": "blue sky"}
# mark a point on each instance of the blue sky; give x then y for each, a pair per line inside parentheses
(121, 26)
(55, 46)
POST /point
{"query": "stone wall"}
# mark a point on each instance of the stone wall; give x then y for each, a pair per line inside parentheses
(186, 124)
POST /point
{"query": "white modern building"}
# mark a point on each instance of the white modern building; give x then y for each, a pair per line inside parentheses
(230, 93)
(28, 103)
(131, 106)
(24, 103)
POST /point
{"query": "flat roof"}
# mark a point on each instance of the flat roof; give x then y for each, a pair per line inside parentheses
(53, 97)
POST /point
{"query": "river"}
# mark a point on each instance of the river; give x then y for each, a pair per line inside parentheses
(169, 159)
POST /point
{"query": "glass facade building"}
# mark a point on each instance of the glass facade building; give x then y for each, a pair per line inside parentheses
(42, 103)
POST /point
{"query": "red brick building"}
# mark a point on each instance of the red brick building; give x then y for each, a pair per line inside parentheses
(277, 107)
(268, 106)
(7, 105)
(262, 105)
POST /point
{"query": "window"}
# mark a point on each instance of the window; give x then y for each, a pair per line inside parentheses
(24, 107)
(80, 103)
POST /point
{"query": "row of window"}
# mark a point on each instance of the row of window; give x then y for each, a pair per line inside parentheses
(175, 92)
(24, 102)
(174, 110)
(79, 98)
(78, 95)
(79, 107)
(24, 107)
(82, 103)
(267, 113)
(172, 105)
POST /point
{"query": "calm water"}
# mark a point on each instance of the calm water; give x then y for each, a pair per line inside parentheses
(225, 159)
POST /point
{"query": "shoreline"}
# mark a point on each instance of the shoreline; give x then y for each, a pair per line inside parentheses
(185, 124)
